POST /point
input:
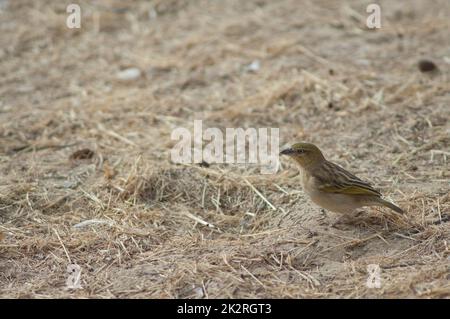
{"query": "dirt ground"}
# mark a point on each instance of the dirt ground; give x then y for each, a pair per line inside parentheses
(86, 174)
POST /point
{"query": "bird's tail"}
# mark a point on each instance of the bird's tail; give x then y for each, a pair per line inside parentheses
(395, 208)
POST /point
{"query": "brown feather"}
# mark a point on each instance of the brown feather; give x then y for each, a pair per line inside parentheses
(335, 179)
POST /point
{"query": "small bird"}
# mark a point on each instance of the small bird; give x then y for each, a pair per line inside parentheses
(330, 186)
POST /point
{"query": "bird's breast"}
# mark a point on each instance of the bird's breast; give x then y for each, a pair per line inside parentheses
(308, 182)
(331, 201)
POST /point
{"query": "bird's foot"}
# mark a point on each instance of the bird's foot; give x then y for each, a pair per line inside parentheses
(336, 224)
(357, 214)
(351, 218)
(323, 214)
(323, 218)
(342, 220)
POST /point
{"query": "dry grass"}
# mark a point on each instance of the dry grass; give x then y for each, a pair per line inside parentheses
(141, 226)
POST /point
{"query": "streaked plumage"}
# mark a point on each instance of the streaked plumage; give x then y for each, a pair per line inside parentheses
(330, 186)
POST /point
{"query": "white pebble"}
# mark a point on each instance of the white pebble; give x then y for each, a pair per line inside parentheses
(254, 66)
(129, 74)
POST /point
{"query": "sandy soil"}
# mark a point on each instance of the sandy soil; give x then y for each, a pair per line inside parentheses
(140, 226)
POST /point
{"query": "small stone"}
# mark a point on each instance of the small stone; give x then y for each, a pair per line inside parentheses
(427, 66)
(129, 74)
(83, 154)
(254, 66)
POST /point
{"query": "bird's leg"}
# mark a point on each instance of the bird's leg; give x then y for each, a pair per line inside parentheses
(324, 214)
(344, 219)
(348, 218)
(357, 214)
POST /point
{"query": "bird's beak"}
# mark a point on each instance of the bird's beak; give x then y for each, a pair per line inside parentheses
(287, 151)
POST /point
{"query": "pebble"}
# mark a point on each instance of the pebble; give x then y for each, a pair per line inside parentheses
(129, 74)
(254, 66)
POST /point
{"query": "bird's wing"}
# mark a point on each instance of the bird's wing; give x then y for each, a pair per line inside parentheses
(335, 179)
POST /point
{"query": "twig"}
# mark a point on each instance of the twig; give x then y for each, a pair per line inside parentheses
(115, 135)
(264, 232)
(201, 221)
(253, 276)
(439, 210)
(62, 244)
(259, 194)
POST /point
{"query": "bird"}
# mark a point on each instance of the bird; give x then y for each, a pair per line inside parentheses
(331, 186)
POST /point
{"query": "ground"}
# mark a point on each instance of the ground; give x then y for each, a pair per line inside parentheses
(87, 177)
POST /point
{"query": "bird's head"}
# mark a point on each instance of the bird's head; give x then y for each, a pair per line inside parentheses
(306, 154)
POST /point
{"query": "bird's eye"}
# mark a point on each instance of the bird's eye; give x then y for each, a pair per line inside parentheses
(301, 151)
